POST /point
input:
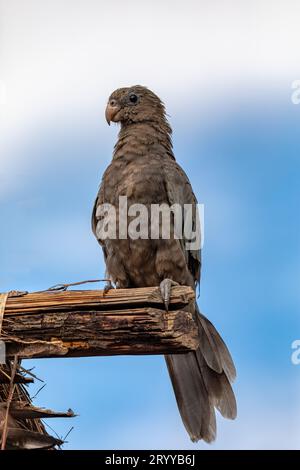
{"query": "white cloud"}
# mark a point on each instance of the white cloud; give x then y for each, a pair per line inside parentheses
(60, 60)
(60, 56)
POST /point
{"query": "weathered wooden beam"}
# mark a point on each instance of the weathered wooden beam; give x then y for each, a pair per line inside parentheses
(19, 410)
(20, 439)
(89, 323)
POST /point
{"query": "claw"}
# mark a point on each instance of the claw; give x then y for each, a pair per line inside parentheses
(108, 286)
(165, 289)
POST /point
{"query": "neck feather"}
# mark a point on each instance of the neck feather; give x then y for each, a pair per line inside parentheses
(141, 138)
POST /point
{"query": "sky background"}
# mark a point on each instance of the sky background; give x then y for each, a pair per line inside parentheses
(225, 71)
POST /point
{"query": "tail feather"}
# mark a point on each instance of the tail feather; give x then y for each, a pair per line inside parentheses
(227, 364)
(219, 389)
(201, 382)
(196, 410)
(208, 346)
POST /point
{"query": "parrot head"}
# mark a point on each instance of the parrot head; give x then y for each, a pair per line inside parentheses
(134, 104)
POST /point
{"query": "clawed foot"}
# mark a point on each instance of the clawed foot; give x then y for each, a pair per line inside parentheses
(165, 290)
(108, 286)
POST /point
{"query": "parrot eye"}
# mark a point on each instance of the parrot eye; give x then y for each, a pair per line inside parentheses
(133, 98)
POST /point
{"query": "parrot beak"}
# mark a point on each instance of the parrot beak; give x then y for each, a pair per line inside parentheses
(110, 113)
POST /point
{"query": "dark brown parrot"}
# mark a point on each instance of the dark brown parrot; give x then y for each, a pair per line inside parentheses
(144, 170)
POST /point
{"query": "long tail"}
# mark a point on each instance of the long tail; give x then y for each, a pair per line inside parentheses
(201, 382)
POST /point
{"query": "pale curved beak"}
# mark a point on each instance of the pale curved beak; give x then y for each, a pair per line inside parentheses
(110, 112)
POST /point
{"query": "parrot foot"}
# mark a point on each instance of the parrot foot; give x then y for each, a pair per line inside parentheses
(165, 290)
(107, 287)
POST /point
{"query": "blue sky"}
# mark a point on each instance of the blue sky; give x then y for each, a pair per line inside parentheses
(239, 143)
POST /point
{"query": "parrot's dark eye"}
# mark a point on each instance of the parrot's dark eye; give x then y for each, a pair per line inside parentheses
(133, 98)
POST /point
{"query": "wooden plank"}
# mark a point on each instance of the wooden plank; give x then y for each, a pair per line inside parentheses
(88, 323)
(68, 300)
(20, 410)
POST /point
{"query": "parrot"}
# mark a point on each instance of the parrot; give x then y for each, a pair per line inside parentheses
(144, 170)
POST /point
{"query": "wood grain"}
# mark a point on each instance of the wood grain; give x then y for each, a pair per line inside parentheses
(88, 323)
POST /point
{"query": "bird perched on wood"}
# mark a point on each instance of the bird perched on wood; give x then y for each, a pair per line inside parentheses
(144, 169)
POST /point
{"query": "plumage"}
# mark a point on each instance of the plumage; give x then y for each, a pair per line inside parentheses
(144, 170)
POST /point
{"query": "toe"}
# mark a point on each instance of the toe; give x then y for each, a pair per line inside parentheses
(165, 289)
(108, 286)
